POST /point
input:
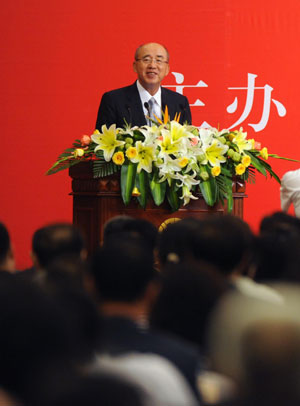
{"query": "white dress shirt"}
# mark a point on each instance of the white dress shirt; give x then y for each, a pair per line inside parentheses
(146, 96)
(290, 191)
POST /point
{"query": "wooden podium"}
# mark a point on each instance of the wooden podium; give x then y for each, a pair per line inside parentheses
(97, 200)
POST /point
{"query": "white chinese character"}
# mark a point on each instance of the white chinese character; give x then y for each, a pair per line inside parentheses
(281, 110)
(179, 78)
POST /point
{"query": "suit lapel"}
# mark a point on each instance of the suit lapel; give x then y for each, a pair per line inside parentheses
(135, 106)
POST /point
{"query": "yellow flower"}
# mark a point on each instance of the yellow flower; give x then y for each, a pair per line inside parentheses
(246, 160)
(240, 169)
(183, 162)
(78, 152)
(264, 153)
(231, 136)
(131, 152)
(216, 170)
(118, 158)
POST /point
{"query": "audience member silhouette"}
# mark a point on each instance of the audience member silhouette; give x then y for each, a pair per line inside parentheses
(278, 253)
(34, 338)
(56, 239)
(257, 343)
(189, 292)
(175, 242)
(50, 242)
(58, 252)
(271, 359)
(64, 281)
(226, 242)
(127, 285)
(133, 226)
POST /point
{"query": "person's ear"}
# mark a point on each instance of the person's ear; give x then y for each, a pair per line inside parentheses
(134, 66)
(168, 69)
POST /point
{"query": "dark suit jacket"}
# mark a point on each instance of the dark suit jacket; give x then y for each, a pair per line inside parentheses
(125, 103)
(120, 335)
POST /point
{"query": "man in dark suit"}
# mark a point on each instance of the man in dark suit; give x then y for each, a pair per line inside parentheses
(132, 103)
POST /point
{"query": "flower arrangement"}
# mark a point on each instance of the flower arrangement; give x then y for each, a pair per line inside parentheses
(171, 161)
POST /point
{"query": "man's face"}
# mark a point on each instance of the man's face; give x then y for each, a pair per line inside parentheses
(152, 66)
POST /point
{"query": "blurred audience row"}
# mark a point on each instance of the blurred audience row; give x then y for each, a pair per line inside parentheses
(203, 313)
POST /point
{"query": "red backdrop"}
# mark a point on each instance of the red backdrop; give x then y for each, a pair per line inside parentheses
(58, 57)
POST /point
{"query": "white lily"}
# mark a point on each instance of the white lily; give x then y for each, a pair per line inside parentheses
(187, 195)
(168, 145)
(193, 164)
(107, 141)
(215, 153)
(213, 149)
(206, 136)
(187, 180)
(241, 141)
(145, 156)
(129, 131)
(151, 134)
(168, 168)
(179, 131)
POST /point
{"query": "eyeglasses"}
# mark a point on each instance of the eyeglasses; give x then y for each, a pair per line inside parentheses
(147, 59)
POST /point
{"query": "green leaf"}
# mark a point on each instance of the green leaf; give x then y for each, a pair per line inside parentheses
(257, 163)
(68, 151)
(142, 183)
(281, 157)
(101, 168)
(250, 175)
(128, 175)
(158, 190)
(209, 191)
(267, 167)
(275, 176)
(172, 196)
(63, 163)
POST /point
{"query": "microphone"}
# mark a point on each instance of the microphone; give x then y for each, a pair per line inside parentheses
(146, 104)
(129, 112)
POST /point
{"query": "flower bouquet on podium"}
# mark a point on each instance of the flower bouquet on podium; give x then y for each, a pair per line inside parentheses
(171, 161)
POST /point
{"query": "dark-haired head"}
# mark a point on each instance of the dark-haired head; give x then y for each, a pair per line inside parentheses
(54, 240)
(123, 268)
(136, 227)
(189, 292)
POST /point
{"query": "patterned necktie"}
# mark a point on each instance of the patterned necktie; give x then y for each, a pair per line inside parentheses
(151, 103)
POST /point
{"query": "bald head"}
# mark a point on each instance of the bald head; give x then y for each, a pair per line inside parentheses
(139, 49)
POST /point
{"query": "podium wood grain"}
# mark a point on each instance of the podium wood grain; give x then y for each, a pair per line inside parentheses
(97, 200)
